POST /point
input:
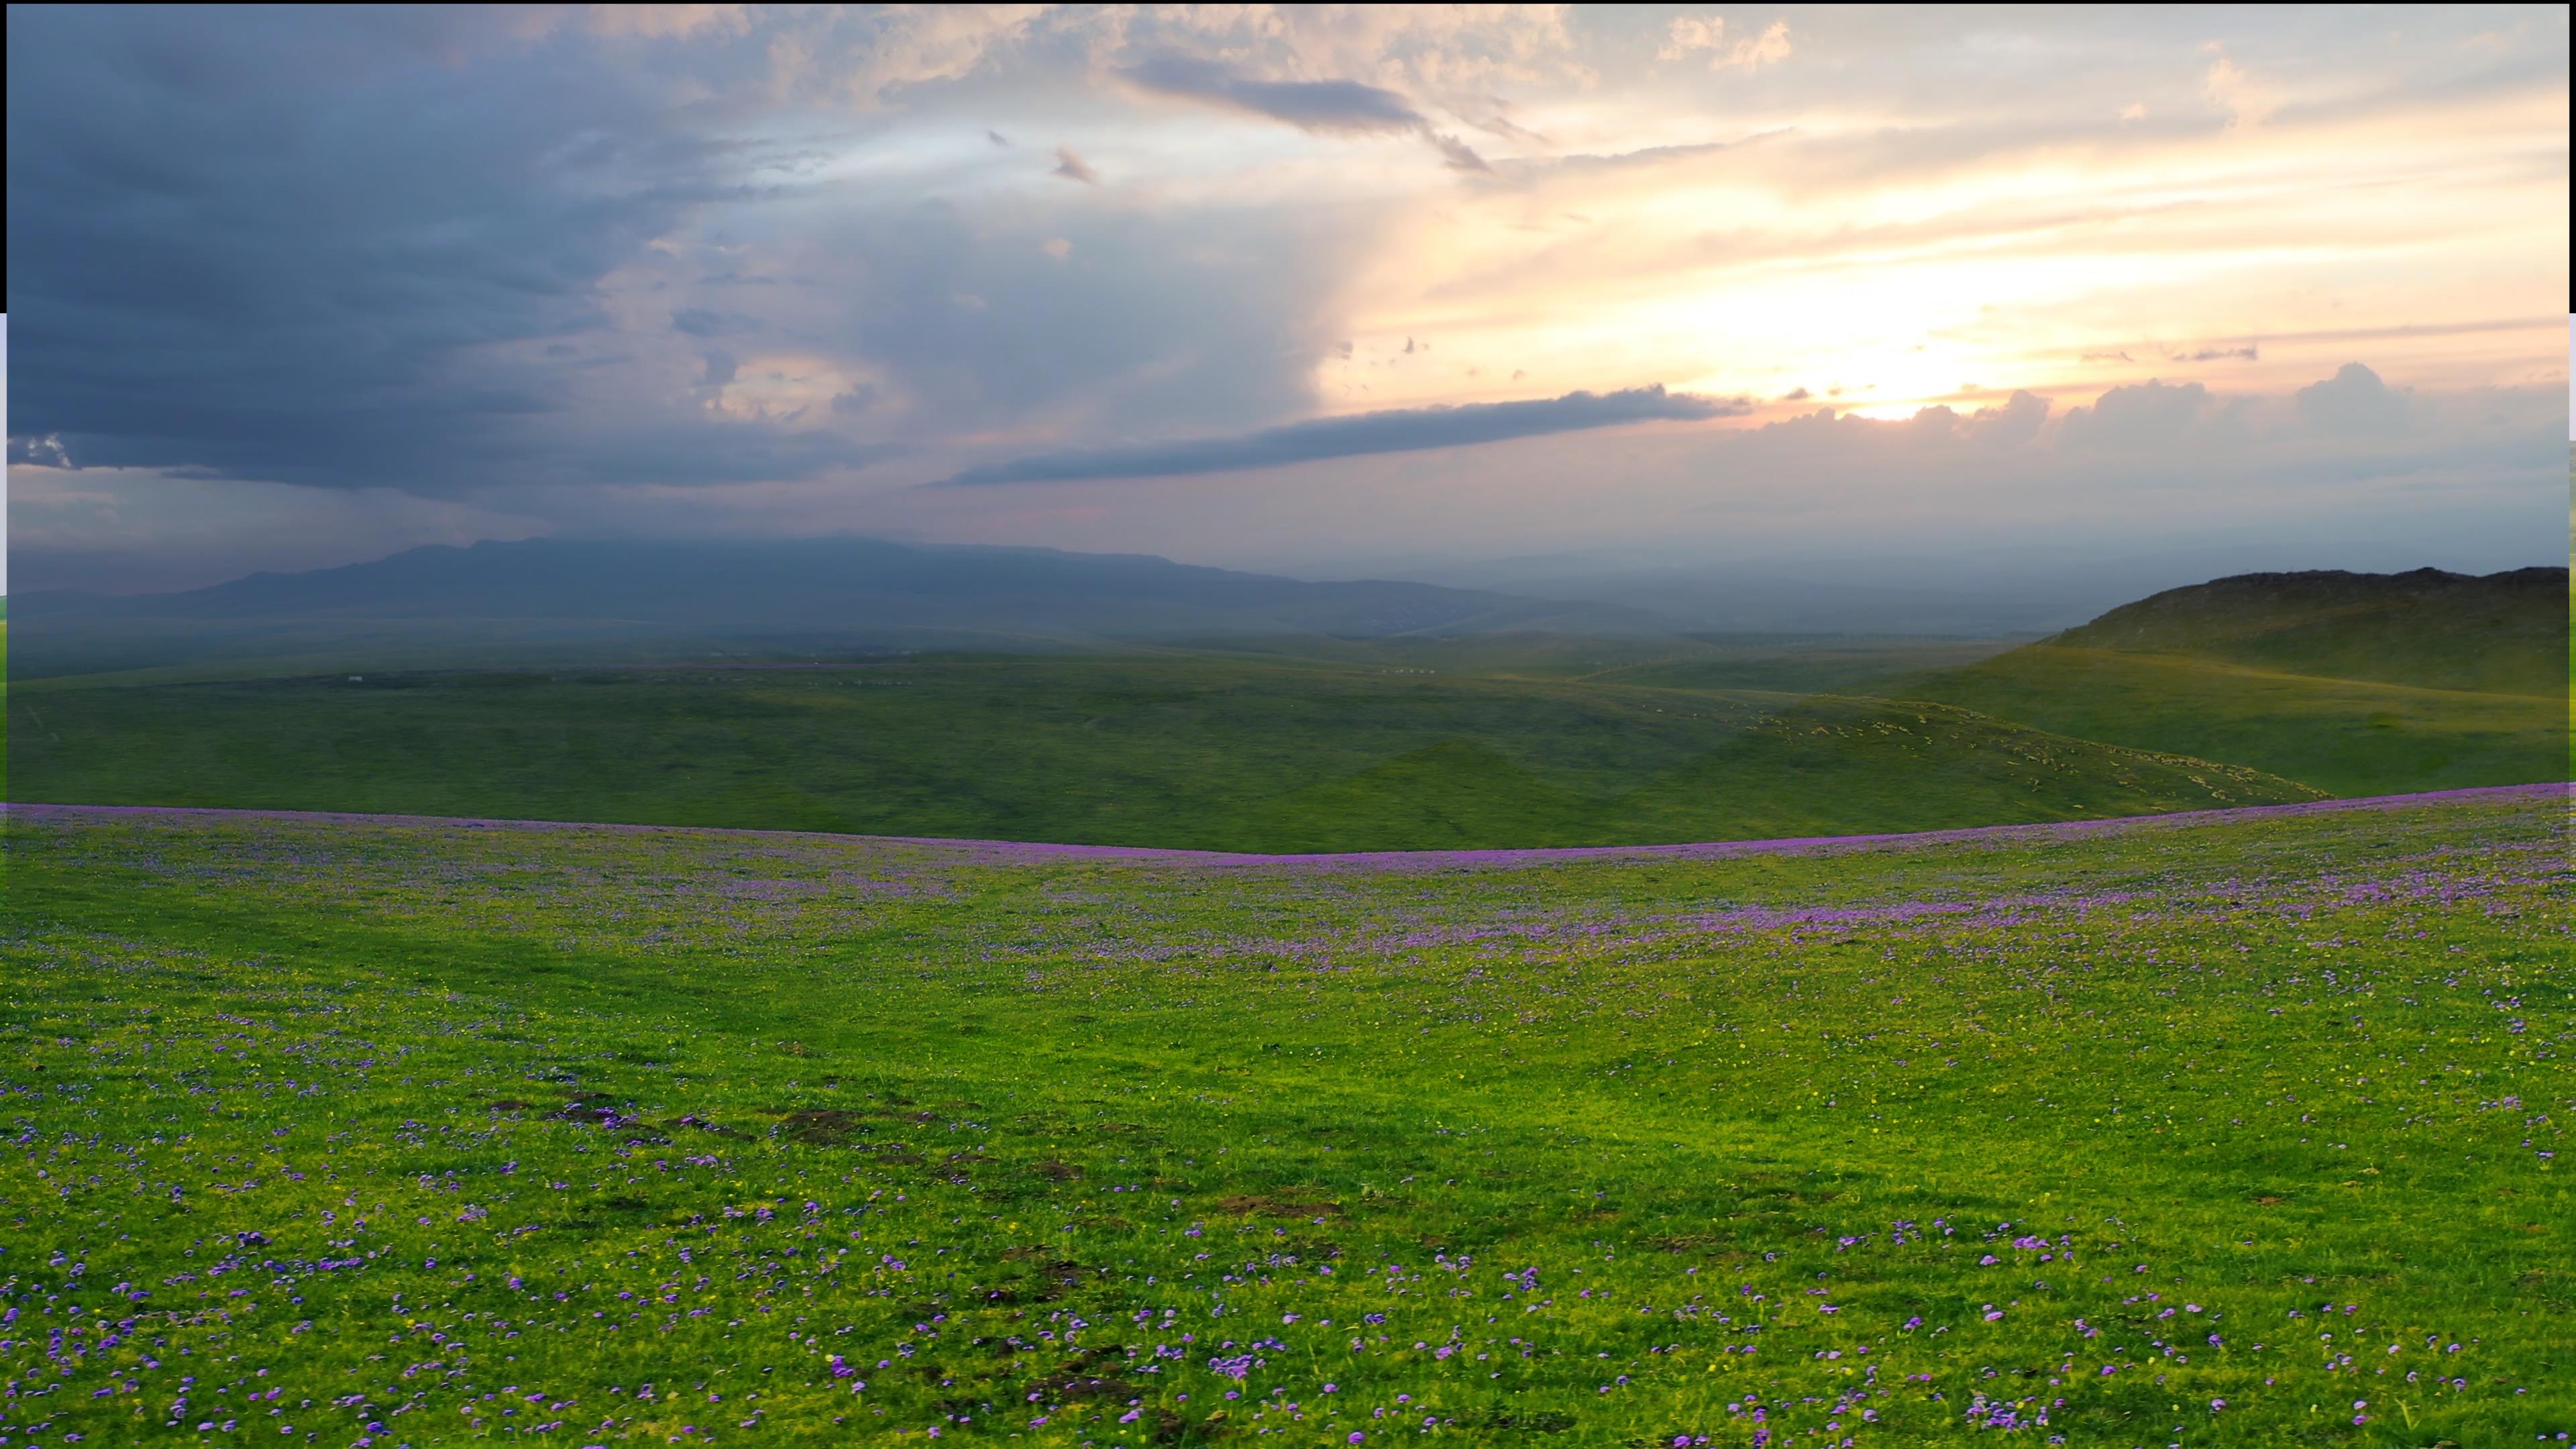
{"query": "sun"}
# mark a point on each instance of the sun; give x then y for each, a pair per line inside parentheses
(1900, 384)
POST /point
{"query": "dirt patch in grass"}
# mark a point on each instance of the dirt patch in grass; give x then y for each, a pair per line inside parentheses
(1264, 1205)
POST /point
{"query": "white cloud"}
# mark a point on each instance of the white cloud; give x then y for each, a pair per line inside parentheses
(1691, 34)
(1073, 168)
(2247, 102)
(667, 22)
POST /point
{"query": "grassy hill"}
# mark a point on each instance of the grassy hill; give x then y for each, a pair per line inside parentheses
(2502, 633)
(2354, 683)
(2348, 737)
(1182, 750)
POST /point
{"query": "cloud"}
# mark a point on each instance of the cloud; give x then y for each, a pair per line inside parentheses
(2246, 101)
(2149, 414)
(667, 22)
(422, 299)
(1074, 168)
(689, 453)
(1691, 34)
(481, 277)
(1457, 155)
(2015, 423)
(1395, 431)
(1928, 436)
(1643, 157)
(1163, 317)
(704, 322)
(478, 254)
(2353, 402)
(2247, 353)
(1332, 106)
(1335, 105)
(46, 451)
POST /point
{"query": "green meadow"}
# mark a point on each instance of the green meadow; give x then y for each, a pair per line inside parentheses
(2264, 689)
(1194, 751)
(1337, 746)
(2347, 736)
(2234, 1130)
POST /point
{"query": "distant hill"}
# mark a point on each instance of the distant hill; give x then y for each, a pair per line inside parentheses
(550, 594)
(2355, 683)
(2503, 632)
(1740, 601)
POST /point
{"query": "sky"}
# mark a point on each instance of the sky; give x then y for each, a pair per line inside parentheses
(1321, 290)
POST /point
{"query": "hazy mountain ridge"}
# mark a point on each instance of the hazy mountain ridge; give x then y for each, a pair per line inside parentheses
(817, 593)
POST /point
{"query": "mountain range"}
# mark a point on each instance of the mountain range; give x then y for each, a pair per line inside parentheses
(834, 593)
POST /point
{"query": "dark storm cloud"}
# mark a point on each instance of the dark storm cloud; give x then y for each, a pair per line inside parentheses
(1395, 431)
(1330, 106)
(694, 453)
(318, 247)
(1338, 105)
(701, 322)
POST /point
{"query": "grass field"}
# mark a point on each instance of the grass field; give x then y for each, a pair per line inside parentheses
(2357, 684)
(2201, 1131)
(1311, 743)
(1189, 749)
(2346, 736)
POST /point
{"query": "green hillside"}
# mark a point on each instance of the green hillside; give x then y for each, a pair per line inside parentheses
(2348, 737)
(2502, 633)
(2357, 684)
(1831, 765)
(1186, 750)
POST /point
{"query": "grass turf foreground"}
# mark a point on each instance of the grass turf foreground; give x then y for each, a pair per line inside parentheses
(2212, 1130)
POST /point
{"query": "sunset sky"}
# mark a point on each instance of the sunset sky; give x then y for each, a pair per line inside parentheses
(1324, 290)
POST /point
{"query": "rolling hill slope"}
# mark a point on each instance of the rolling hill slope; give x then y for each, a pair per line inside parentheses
(2355, 683)
(2391, 628)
